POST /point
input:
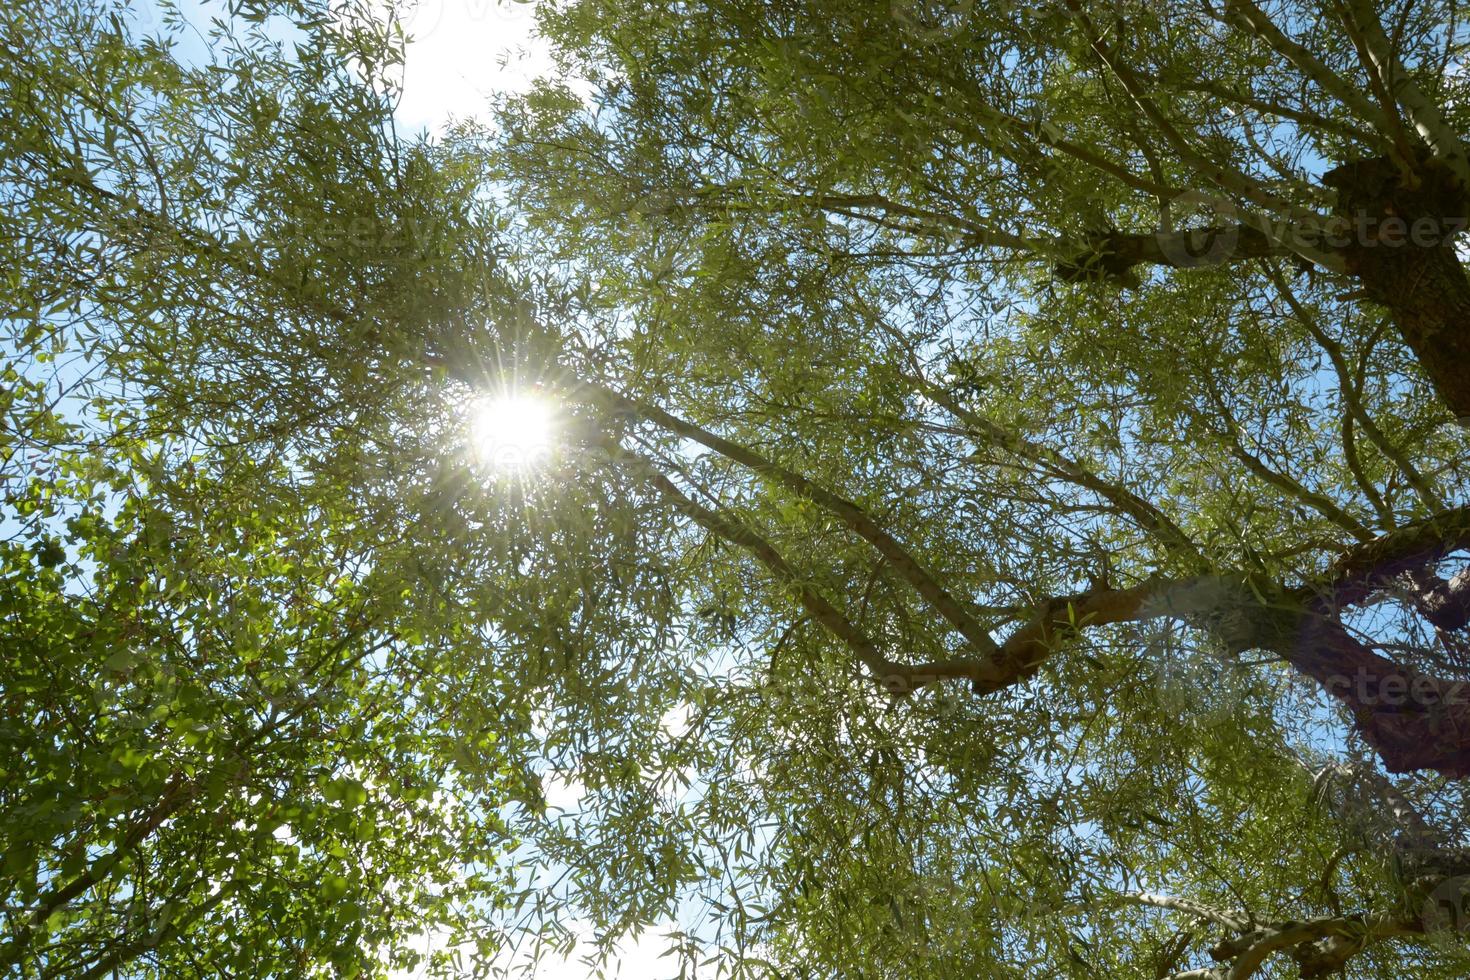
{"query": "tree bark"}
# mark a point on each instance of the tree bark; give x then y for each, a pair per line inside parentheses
(1447, 604)
(1400, 234)
(1114, 255)
(1413, 721)
(1395, 232)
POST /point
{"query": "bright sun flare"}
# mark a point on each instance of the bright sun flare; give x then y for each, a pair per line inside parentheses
(511, 431)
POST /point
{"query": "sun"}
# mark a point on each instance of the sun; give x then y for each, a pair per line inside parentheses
(512, 431)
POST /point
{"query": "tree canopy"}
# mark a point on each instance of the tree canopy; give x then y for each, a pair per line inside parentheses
(1005, 513)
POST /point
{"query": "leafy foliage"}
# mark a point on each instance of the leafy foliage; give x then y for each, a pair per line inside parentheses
(978, 467)
(227, 749)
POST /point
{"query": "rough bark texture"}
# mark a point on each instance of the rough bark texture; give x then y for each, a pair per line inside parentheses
(1114, 255)
(1412, 720)
(1447, 604)
(1401, 246)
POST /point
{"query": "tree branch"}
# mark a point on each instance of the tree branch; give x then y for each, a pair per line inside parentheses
(852, 516)
(1427, 118)
(1230, 920)
(1144, 513)
(1376, 562)
(733, 532)
(1244, 14)
(1115, 254)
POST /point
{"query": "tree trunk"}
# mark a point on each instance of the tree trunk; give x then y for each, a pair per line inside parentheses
(1399, 241)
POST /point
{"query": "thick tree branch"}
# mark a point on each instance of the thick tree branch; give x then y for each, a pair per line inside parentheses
(1115, 255)
(1051, 623)
(1229, 920)
(1373, 564)
(1246, 953)
(1414, 721)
